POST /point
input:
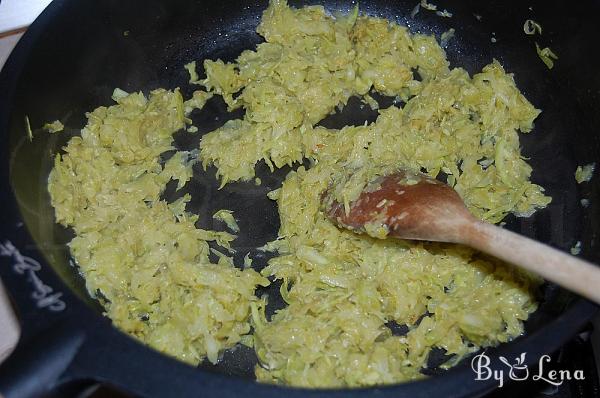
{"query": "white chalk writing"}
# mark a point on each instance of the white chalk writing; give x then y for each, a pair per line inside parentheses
(43, 295)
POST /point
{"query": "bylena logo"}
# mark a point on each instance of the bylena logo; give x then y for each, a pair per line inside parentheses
(518, 371)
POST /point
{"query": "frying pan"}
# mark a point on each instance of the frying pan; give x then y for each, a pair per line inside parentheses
(77, 51)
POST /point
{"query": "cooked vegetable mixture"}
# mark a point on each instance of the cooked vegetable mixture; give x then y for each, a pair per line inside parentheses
(584, 173)
(148, 264)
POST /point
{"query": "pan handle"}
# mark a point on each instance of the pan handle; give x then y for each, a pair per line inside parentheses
(38, 362)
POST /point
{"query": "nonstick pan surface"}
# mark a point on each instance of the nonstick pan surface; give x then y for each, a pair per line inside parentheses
(77, 52)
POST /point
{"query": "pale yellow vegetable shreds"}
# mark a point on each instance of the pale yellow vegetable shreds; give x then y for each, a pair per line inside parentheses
(28, 129)
(179, 167)
(445, 14)
(446, 37)
(576, 249)
(584, 173)
(428, 6)
(143, 258)
(415, 10)
(198, 100)
(546, 55)
(226, 216)
(191, 69)
(54, 127)
(341, 288)
(530, 27)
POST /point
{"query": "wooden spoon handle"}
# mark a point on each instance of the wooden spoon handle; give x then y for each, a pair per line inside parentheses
(568, 271)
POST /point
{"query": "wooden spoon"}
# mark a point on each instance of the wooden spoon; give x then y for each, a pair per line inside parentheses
(414, 206)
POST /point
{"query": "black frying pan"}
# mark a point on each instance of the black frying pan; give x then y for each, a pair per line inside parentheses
(73, 56)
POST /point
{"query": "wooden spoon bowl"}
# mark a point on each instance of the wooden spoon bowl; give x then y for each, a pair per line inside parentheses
(406, 205)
